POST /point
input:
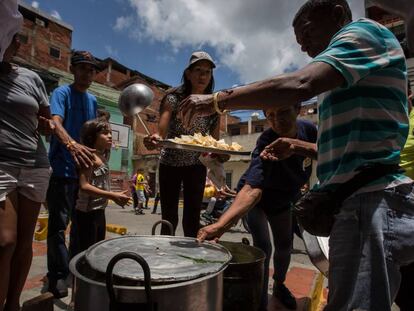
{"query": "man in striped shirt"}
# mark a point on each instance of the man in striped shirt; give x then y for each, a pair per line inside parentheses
(360, 70)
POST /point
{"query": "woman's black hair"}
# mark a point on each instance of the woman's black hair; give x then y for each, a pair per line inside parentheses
(185, 87)
(91, 129)
(186, 84)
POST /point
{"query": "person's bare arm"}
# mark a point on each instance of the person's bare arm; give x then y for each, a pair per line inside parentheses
(283, 90)
(46, 126)
(82, 155)
(246, 199)
(165, 118)
(121, 198)
(151, 141)
(282, 148)
(215, 133)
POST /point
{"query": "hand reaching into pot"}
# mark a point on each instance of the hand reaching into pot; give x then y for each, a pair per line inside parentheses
(212, 232)
(246, 199)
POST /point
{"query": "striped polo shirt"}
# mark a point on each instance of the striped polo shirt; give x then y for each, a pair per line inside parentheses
(365, 120)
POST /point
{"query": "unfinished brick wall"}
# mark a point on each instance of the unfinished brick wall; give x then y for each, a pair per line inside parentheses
(36, 51)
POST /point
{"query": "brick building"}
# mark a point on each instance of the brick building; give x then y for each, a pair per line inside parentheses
(46, 45)
(45, 41)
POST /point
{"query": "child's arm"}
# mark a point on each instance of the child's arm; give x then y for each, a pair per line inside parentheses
(120, 198)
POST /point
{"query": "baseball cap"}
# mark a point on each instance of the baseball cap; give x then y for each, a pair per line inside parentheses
(83, 57)
(200, 55)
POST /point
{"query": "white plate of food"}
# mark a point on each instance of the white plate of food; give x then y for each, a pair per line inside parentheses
(201, 143)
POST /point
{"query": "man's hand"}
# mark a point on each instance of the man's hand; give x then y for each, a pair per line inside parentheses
(151, 141)
(211, 232)
(82, 155)
(195, 106)
(45, 126)
(225, 191)
(281, 149)
(121, 198)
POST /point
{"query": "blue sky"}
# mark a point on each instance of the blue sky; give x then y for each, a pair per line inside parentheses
(250, 40)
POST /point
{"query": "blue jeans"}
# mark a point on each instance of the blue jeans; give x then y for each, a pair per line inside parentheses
(281, 226)
(61, 200)
(372, 237)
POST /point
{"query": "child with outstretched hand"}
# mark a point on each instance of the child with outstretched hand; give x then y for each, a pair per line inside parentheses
(94, 184)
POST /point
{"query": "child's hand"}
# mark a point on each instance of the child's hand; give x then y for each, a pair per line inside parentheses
(121, 198)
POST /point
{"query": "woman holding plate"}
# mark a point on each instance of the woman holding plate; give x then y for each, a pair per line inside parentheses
(182, 167)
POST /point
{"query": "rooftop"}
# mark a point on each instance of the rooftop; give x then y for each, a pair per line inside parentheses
(44, 15)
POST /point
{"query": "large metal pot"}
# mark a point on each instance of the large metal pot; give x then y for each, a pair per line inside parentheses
(243, 277)
(177, 290)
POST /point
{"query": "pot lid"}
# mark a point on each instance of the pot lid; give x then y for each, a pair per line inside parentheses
(171, 259)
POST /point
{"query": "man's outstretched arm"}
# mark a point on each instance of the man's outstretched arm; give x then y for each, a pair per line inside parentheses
(283, 90)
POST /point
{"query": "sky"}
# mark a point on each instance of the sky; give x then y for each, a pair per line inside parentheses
(249, 40)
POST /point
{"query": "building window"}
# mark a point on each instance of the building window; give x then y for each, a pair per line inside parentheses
(40, 22)
(258, 128)
(54, 52)
(124, 160)
(235, 131)
(229, 176)
(23, 38)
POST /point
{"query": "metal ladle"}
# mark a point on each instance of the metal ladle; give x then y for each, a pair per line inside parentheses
(135, 98)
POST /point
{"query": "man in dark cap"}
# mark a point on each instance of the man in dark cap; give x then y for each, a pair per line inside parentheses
(71, 106)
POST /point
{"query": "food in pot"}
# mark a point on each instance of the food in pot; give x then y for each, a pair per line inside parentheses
(206, 141)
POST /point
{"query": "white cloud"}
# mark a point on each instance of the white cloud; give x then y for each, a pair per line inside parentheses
(56, 15)
(166, 58)
(123, 22)
(111, 51)
(253, 38)
(35, 4)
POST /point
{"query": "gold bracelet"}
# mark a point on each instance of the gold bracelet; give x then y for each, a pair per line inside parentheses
(215, 103)
(70, 143)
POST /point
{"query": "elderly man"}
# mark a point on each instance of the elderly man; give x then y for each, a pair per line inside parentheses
(360, 68)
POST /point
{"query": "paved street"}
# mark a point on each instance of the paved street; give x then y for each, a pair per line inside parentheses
(301, 277)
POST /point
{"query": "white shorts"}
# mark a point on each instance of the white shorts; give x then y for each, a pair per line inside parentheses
(141, 196)
(30, 182)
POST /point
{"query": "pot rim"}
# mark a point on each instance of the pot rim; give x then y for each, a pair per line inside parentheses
(77, 274)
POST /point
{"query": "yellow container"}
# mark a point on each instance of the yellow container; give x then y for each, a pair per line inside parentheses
(116, 229)
(41, 228)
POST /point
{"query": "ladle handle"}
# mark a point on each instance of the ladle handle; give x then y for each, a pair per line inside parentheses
(110, 278)
(144, 125)
(165, 222)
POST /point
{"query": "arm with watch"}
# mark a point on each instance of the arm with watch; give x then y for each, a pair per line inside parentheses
(82, 155)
